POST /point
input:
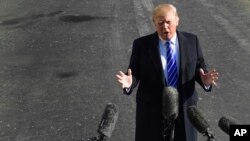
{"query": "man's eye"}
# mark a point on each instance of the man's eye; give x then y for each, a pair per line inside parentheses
(160, 22)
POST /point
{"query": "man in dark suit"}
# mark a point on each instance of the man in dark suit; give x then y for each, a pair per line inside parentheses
(167, 57)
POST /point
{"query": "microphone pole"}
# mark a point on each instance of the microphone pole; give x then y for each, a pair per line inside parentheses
(102, 138)
(209, 134)
(97, 138)
(91, 139)
(170, 110)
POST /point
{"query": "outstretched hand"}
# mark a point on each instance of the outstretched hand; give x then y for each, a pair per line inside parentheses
(124, 80)
(210, 77)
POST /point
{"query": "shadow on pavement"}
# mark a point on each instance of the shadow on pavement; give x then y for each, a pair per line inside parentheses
(19, 20)
(63, 75)
(79, 18)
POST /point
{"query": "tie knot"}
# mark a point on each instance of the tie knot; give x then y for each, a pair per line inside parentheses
(168, 44)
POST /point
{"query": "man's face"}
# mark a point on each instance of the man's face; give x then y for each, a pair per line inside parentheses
(166, 24)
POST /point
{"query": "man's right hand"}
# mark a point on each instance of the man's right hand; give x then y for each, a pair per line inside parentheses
(124, 80)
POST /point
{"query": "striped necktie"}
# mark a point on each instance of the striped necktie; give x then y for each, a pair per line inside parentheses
(171, 66)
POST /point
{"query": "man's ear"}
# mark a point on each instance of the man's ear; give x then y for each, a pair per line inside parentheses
(177, 21)
(154, 22)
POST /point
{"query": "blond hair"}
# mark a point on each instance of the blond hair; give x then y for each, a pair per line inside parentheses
(161, 7)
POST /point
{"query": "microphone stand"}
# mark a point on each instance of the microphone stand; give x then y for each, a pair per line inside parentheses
(102, 137)
(98, 138)
(90, 139)
(168, 128)
(209, 134)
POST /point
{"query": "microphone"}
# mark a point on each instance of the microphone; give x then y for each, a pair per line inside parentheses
(170, 110)
(199, 122)
(170, 103)
(108, 121)
(225, 122)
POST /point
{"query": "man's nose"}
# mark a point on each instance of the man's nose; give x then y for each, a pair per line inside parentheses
(165, 25)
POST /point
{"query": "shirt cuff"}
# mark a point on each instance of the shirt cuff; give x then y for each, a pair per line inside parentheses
(207, 87)
(126, 90)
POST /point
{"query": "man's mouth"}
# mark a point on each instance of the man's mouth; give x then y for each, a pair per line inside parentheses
(165, 33)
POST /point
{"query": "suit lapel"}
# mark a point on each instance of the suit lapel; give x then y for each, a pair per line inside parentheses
(183, 56)
(153, 50)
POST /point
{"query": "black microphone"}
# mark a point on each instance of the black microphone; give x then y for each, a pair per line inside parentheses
(107, 124)
(170, 110)
(170, 103)
(225, 122)
(199, 122)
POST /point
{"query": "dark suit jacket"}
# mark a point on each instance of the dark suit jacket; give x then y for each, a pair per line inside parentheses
(147, 71)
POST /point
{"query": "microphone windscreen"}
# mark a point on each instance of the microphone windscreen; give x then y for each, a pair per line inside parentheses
(197, 119)
(109, 118)
(170, 103)
(225, 122)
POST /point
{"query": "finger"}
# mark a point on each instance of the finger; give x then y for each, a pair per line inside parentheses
(120, 81)
(202, 71)
(211, 72)
(215, 78)
(214, 71)
(214, 83)
(118, 76)
(129, 72)
(215, 74)
(121, 73)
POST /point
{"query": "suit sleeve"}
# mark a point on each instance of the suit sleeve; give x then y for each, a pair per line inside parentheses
(200, 64)
(134, 66)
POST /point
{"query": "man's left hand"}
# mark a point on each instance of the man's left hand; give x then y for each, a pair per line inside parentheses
(209, 78)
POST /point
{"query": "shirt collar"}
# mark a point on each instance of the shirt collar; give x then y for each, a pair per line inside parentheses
(173, 40)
